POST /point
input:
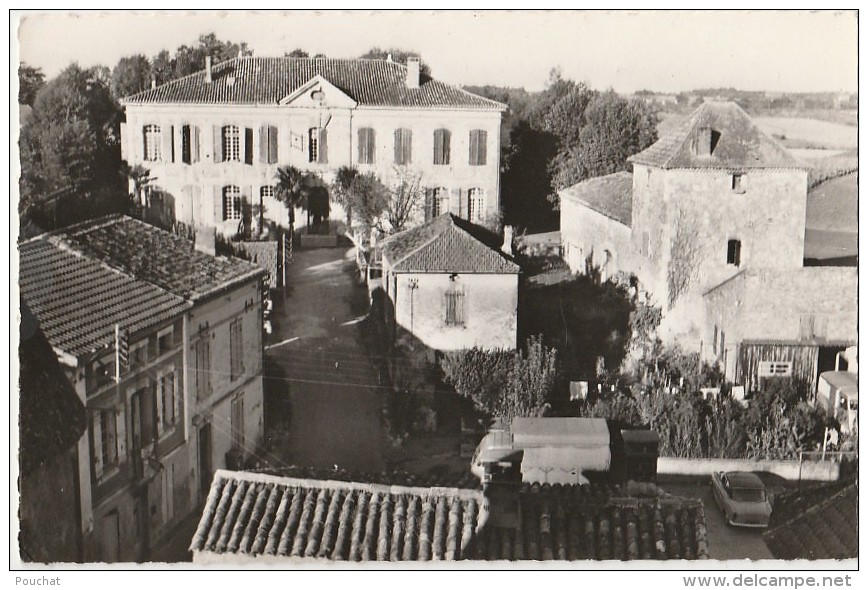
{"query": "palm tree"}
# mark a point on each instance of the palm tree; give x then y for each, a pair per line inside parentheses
(291, 189)
(342, 191)
(141, 179)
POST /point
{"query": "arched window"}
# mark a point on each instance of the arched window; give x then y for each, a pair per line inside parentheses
(231, 202)
(476, 204)
(153, 139)
(231, 143)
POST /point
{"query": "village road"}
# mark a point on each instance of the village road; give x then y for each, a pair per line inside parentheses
(335, 401)
(724, 542)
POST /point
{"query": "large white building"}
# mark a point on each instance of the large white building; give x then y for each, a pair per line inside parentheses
(215, 139)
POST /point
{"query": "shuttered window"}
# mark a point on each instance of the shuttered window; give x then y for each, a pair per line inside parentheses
(153, 141)
(438, 202)
(231, 203)
(268, 144)
(203, 366)
(236, 349)
(454, 308)
(317, 145)
(167, 404)
(442, 146)
(190, 144)
(367, 145)
(403, 147)
(478, 147)
(108, 438)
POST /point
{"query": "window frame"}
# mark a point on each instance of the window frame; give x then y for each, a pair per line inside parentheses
(202, 370)
(455, 307)
(236, 348)
(166, 427)
(152, 137)
(232, 212)
(733, 252)
(231, 143)
(478, 195)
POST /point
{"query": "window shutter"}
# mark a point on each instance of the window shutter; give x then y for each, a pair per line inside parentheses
(482, 148)
(474, 149)
(121, 431)
(399, 147)
(96, 427)
(263, 144)
(438, 147)
(194, 143)
(166, 143)
(323, 155)
(248, 145)
(272, 144)
(186, 146)
(176, 401)
(218, 144)
(161, 387)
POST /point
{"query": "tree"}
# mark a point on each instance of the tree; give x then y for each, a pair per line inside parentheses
(297, 53)
(398, 56)
(504, 383)
(368, 199)
(70, 141)
(292, 189)
(132, 74)
(406, 198)
(189, 59)
(30, 81)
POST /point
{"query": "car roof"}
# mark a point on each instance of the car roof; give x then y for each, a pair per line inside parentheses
(744, 479)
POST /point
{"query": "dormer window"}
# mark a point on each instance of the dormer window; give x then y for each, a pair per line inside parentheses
(705, 141)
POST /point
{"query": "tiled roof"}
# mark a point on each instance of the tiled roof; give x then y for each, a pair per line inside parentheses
(158, 257)
(252, 515)
(262, 515)
(741, 144)
(51, 417)
(78, 299)
(446, 244)
(610, 195)
(267, 80)
(823, 524)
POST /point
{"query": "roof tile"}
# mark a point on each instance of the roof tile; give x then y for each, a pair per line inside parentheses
(446, 244)
(610, 195)
(741, 144)
(267, 80)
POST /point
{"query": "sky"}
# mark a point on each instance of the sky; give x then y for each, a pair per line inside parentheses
(665, 51)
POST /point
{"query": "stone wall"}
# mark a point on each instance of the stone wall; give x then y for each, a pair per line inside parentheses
(587, 235)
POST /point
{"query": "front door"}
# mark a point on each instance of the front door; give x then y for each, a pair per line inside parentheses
(204, 460)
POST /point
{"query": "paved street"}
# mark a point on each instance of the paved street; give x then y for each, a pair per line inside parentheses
(334, 397)
(724, 542)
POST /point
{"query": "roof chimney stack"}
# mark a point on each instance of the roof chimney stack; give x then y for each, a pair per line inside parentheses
(413, 72)
(507, 240)
(208, 68)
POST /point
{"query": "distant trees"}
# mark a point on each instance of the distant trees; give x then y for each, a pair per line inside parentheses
(560, 136)
(504, 383)
(30, 81)
(130, 75)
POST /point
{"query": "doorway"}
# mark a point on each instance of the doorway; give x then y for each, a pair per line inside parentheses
(111, 537)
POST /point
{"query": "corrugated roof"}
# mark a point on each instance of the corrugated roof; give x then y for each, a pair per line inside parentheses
(610, 195)
(446, 244)
(267, 80)
(78, 299)
(159, 257)
(254, 515)
(51, 416)
(740, 144)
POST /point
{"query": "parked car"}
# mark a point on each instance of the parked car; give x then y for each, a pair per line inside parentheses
(742, 498)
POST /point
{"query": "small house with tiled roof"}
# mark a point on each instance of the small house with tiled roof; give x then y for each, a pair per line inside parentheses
(259, 519)
(141, 321)
(214, 139)
(712, 223)
(450, 285)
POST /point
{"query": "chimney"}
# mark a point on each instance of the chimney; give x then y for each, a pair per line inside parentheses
(208, 68)
(507, 240)
(412, 72)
